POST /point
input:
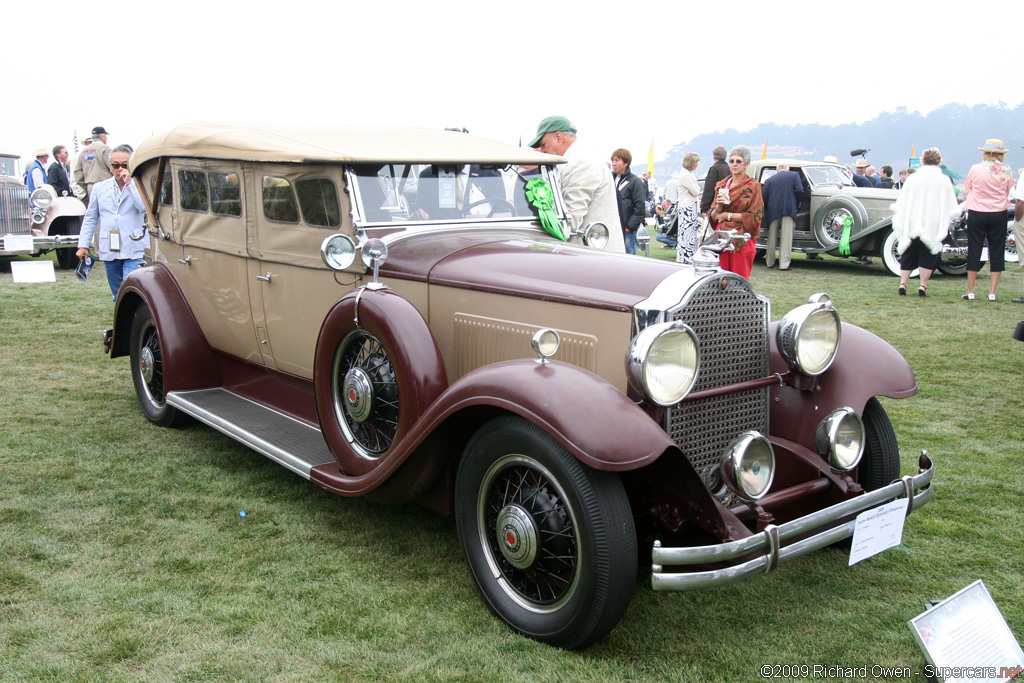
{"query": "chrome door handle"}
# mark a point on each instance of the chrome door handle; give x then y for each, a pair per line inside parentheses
(264, 278)
(186, 261)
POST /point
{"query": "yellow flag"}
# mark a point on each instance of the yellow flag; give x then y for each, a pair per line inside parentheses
(650, 159)
(912, 155)
(764, 154)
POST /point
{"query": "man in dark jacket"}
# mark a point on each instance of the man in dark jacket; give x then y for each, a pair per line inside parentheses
(718, 171)
(781, 193)
(885, 181)
(58, 175)
(631, 196)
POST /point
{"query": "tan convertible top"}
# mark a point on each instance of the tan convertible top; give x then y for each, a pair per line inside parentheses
(284, 142)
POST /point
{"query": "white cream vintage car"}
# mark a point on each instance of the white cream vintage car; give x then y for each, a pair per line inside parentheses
(397, 313)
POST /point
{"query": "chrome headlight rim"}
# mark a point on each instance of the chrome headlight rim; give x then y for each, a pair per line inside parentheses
(639, 370)
(748, 445)
(833, 438)
(594, 235)
(338, 251)
(42, 198)
(795, 324)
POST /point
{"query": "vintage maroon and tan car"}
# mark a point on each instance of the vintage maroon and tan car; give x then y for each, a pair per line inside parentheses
(383, 312)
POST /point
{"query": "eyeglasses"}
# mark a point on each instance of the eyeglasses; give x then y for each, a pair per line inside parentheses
(735, 161)
(116, 165)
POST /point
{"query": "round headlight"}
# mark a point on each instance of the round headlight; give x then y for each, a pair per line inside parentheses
(595, 235)
(808, 337)
(662, 362)
(42, 197)
(338, 251)
(748, 466)
(840, 439)
(545, 342)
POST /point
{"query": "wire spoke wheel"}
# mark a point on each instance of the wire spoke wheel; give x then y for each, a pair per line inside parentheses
(366, 393)
(528, 532)
(148, 366)
(550, 542)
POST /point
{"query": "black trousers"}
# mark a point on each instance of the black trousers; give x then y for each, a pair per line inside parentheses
(986, 226)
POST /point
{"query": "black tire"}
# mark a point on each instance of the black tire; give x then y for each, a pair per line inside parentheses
(564, 569)
(148, 371)
(68, 225)
(880, 464)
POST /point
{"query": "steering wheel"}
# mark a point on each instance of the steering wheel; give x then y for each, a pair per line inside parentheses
(497, 202)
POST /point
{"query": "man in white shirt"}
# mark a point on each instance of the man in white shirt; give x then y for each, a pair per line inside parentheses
(587, 188)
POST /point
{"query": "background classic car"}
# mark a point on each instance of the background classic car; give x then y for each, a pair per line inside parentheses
(323, 296)
(830, 197)
(49, 219)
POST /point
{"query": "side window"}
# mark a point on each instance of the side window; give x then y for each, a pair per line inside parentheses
(279, 201)
(193, 190)
(318, 198)
(166, 188)
(225, 193)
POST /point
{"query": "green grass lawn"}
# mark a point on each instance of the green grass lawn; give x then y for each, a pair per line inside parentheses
(123, 556)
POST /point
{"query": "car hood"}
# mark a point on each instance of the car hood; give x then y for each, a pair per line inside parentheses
(517, 262)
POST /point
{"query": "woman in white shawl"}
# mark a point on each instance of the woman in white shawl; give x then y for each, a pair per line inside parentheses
(688, 209)
(921, 219)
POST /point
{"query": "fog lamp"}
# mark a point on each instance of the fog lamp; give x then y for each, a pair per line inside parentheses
(748, 466)
(840, 439)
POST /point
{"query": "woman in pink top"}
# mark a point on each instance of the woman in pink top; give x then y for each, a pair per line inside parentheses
(987, 190)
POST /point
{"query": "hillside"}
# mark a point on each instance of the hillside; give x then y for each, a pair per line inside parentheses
(955, 129)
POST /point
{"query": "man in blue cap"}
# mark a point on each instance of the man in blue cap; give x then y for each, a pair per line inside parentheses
(587, 189)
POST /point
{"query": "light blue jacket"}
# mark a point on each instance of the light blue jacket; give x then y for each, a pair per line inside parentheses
(125, 216)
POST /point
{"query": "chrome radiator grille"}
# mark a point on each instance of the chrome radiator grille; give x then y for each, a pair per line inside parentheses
(731, 325)
(15, 215)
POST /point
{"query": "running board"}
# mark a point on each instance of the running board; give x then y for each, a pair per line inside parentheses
(288, 442)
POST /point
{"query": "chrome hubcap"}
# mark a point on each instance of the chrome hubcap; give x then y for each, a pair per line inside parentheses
(358, 394)
(517, 536)
(147, 364)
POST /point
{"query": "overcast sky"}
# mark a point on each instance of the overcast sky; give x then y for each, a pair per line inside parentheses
(625, 73)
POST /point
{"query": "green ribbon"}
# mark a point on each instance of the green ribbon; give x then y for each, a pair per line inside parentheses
(541, 197)
(844, 241)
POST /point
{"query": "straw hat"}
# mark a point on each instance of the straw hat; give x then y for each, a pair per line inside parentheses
(994, 145)
(42, 152)
(861, 163)
(831, 159)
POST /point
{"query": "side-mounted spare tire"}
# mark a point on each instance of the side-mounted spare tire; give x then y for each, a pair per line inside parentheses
(377, 369)
(828, 222)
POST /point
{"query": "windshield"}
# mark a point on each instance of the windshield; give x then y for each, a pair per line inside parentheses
(393, 193)
(827, 175)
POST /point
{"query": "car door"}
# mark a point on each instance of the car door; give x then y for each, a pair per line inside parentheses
(298, 207)
(210, 220)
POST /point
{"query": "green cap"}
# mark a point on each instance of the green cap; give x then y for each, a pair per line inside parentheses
(552, 124)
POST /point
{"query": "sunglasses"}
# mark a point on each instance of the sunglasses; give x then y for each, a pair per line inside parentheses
(114, 165)
(735, 161)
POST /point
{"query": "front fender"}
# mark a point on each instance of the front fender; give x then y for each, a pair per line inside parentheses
(592, 419)
(595, 422)
(190, 362)
(865, 366)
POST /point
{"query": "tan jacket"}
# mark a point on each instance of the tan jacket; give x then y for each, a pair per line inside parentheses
(93, 164)
(590, 196)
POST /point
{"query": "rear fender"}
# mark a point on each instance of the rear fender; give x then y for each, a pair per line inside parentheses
(865, 366)
(191, 362)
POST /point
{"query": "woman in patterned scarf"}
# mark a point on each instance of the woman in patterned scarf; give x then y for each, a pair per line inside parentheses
(742, 212)
(988, 188)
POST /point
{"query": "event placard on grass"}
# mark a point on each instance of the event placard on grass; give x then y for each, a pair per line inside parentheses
(33, 271)
(965, 638)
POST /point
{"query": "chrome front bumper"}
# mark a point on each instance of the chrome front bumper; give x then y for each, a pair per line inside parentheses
(768, 544)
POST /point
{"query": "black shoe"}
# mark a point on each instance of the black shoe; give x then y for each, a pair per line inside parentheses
(1018, 300)
(903, 290)
(922, 291)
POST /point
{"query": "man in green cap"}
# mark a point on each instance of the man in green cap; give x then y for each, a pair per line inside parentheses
(587, 188)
